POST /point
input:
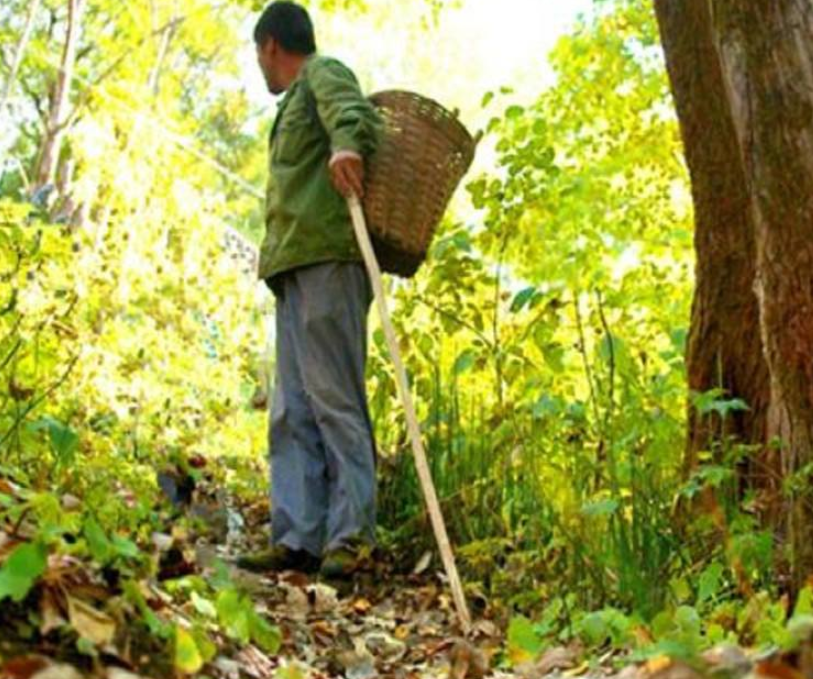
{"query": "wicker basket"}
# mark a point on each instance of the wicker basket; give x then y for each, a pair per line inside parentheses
(423, 155)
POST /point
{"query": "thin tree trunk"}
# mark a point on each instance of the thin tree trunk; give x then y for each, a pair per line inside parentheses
(8, 88)
(52, 139)
(167, 35)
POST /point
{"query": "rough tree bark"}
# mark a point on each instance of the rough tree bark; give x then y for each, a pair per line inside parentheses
(742, 76)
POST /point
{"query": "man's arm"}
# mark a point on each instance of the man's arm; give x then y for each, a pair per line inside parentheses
(350, 120)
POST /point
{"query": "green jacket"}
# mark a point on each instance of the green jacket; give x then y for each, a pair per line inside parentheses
(307, 220)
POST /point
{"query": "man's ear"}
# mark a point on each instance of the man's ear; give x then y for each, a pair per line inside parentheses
(265, 48)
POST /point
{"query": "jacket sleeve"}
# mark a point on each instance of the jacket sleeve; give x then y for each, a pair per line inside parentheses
(349, 117)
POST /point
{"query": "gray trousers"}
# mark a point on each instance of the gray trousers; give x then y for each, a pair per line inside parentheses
(321, 440)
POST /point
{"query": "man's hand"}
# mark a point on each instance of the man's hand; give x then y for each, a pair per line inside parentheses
(347, 173)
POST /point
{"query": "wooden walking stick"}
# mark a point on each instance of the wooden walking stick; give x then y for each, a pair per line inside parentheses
(421, 464)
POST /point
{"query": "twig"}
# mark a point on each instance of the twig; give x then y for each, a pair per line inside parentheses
(37, 401)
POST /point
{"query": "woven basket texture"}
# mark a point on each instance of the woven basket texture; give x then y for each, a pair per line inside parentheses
(423, 155)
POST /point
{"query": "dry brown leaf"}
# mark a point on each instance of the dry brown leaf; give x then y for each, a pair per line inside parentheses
(658, 664)
(727, 658)
(58, 671)
(91, 623)
(777, 670)
(467, 661)
(255, 663)
(51, 610)
(486, 628)
(323, 631)
(361, 606)
(70, 502)
(665, 668)
(559, 658)
(23, 667)
(120, 673)
(323, 598)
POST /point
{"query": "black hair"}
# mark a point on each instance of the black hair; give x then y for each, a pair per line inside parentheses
(289, 24)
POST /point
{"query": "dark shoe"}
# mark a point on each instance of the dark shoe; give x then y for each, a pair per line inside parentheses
(343, 563)
(279, 558)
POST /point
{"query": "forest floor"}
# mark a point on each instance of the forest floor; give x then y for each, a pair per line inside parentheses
(396, 622)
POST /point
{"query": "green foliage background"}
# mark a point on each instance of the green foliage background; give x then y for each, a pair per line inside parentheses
(544, 338)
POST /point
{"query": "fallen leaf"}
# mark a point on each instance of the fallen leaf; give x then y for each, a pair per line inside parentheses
(120, 673)
(486, 628)
(467, 661)
(361, 606)
(559, 658)
(727, 658)
(577, 671)
(23, 667)
(58, 671)
(296, 602)
(661, 667)
(324, 631)
(384, 646)
(70, 502)
(658, 664)
(777, 670)
(50, 611)
(324, 598)
(358, 663)
(555, 659)
(423, 563)
(90, 623)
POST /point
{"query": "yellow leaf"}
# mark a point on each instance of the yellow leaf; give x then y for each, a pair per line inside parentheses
(188, 658)
(91, 623)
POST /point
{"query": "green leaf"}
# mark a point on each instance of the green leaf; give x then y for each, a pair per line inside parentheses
(21, 570)
(709, 583)
(523, 642)
(464, 362)
(554, 355)
(233, 614)
(513, 112)
(64, 440)
(600, 507)
(100, 547)
(188, 658)
(203, 605)
(125, 547)
(804, 602)
(264, 634)
(521, 299)
(157, 627)
(206, 647)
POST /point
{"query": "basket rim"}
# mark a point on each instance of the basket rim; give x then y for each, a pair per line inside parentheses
(455, 120)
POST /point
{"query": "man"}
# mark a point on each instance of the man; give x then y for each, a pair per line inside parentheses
(321, 442)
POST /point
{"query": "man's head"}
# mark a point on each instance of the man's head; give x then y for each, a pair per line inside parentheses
(284, 38)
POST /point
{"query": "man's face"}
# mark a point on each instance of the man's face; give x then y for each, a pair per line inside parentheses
(269, 57)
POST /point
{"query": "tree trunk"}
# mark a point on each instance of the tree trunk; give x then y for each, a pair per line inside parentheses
(57, 116)
(742, 75)
(724, 349)
(8, 88)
